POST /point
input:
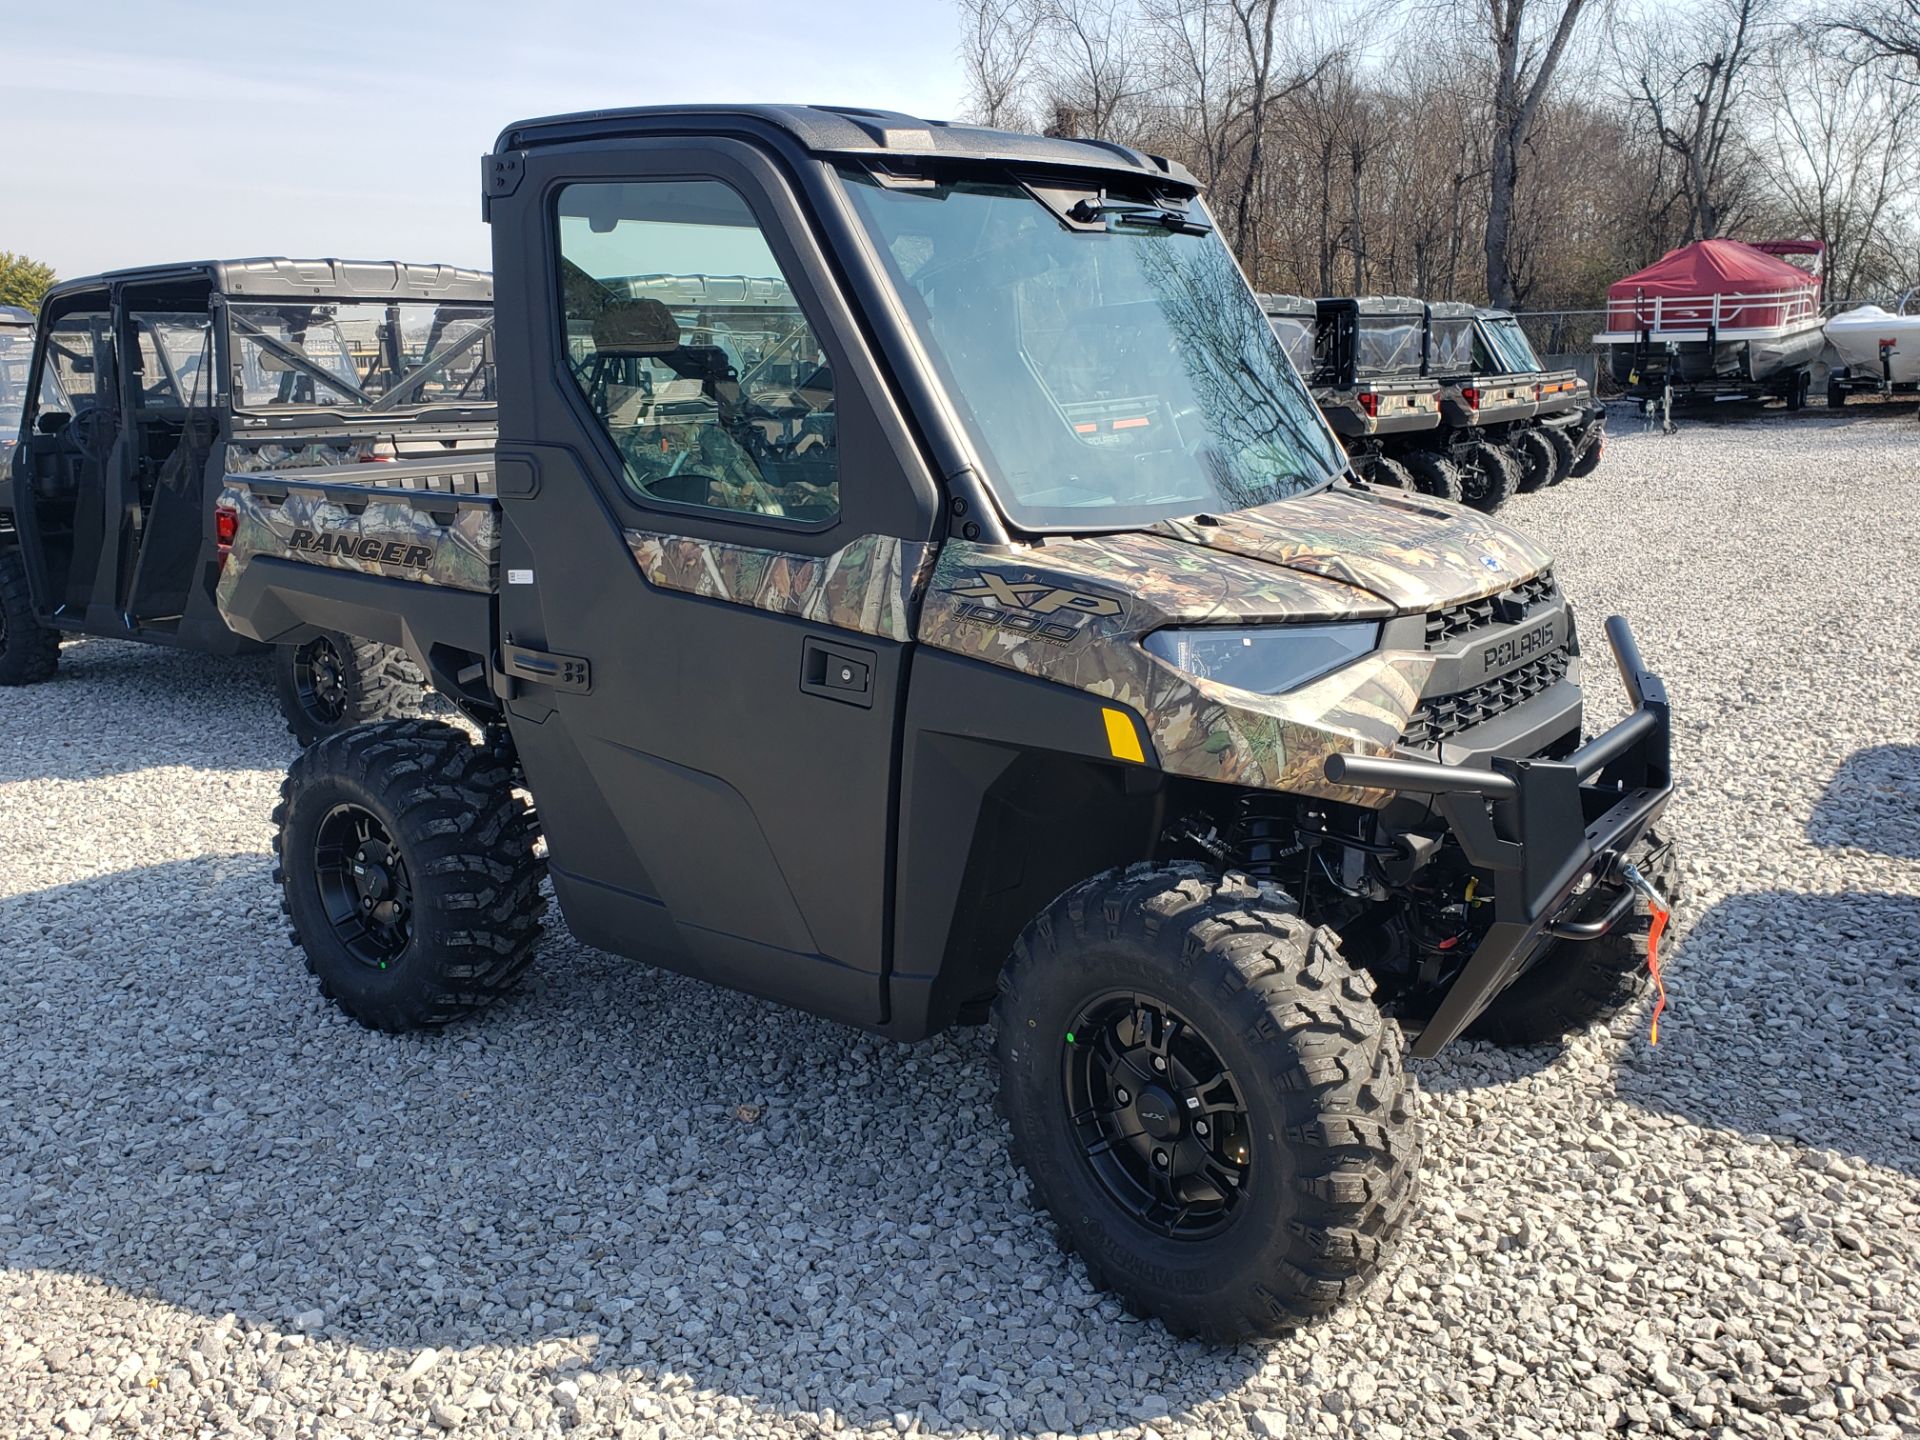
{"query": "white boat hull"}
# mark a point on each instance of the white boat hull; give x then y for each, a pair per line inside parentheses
(1855, 338)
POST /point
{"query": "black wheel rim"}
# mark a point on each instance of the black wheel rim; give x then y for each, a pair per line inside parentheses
(364, 885)
(320, 680)
(1159, 1117)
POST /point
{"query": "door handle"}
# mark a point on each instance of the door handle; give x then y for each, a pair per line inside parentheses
(838, 672)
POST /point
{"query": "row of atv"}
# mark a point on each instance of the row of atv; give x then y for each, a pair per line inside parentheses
(1440, 397)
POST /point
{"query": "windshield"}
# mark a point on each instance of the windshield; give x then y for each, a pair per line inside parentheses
(360, 356)
(1508, 351)
(1450, 347)
(1110, 375)
(1388, 344)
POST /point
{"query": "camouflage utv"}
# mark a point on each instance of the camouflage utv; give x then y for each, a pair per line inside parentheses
(1485, 412)
(919, 590)
(150, 386)
(1362, 360)
(1568, 433)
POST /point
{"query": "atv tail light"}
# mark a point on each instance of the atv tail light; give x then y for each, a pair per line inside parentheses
(1370, 402)
(226, 524)
(1471, 395)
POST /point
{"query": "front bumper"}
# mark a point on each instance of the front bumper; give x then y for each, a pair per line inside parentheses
(1549, 831)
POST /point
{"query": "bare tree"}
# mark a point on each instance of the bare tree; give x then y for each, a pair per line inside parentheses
(1880, 30)
(1843, 138)
(1686, 74)
(1527, 39)
(997, 47)
(1089, 66)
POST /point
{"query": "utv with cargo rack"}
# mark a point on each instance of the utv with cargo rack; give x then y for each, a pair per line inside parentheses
(1484, 413)
(919, 590)
(1366, 380)
(1568, 433)
(150, 386)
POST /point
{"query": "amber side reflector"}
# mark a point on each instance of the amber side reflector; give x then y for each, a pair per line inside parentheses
(1123, 741)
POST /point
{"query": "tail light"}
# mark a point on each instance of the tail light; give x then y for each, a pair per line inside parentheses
(1369, 402)
(226, 524)
(1470, 394)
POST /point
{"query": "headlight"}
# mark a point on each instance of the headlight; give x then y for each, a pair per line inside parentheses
(1266, 659)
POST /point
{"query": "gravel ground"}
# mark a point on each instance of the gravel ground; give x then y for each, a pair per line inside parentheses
(627, 1204)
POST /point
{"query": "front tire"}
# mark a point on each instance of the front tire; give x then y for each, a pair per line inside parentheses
(406, 866)
(333, 682)
(1578, 983)
(1393, 473)
(29, 651)
(1230, 1203)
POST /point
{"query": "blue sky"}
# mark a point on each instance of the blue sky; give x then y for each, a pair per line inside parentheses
(137, 133)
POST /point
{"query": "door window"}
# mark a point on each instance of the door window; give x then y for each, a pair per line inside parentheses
(79, 363)
(685, 337)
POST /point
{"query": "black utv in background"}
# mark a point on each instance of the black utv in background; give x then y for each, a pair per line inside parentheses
(1568, 433)
(919, 589)
(148, 387)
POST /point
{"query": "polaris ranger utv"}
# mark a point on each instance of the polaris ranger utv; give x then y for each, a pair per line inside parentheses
(1364, 374)
(153, 384)
(1568, 433)
(919, 590)
(1483, 413)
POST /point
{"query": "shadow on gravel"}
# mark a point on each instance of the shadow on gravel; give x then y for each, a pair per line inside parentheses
(1796, 1017)
(674, 1177)
(116, 706)
(1872, 803)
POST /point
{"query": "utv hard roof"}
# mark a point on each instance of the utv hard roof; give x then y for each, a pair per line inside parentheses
(1390, 305)
(832, 130)
(1454, 310)
(1287, 305)
(275, 277)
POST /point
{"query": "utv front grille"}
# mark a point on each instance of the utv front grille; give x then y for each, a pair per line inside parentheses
(1441, 717)
(1504, 608)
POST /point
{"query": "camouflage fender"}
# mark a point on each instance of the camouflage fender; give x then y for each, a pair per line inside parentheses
(394, 537)
(868, 585)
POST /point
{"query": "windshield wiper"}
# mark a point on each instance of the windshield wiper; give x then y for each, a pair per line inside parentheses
(1090, 212)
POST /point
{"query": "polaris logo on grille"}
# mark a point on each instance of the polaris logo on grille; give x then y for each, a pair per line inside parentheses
(1516, 648)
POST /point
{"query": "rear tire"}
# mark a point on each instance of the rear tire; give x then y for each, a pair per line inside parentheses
(1536, 455)
(1489, 477)
(1432, 474)
(406, 866)
(334, 682)
(1564, 456)
(1392, 472)
(1576, 983)
(1313, 1164)
(1836, 394)
(29, 651)
(1591, 451)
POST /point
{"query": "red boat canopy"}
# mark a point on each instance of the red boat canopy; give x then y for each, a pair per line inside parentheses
(1718, 283)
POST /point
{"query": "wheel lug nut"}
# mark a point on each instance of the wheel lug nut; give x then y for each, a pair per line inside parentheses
(366, 902)
(1200, 1127)
(1160, 1062)
(1122, 1096)
(1160, 1158)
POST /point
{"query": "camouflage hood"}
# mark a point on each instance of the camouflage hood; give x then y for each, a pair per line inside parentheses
(1074, 611)
(1412, 552)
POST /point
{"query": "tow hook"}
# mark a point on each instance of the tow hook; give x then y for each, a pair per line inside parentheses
(1657, 904)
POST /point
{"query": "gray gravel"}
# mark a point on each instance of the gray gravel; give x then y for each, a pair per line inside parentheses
(627, 1204)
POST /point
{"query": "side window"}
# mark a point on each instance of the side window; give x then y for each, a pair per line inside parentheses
(687, 341)
(176, 367)
(79, 364)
